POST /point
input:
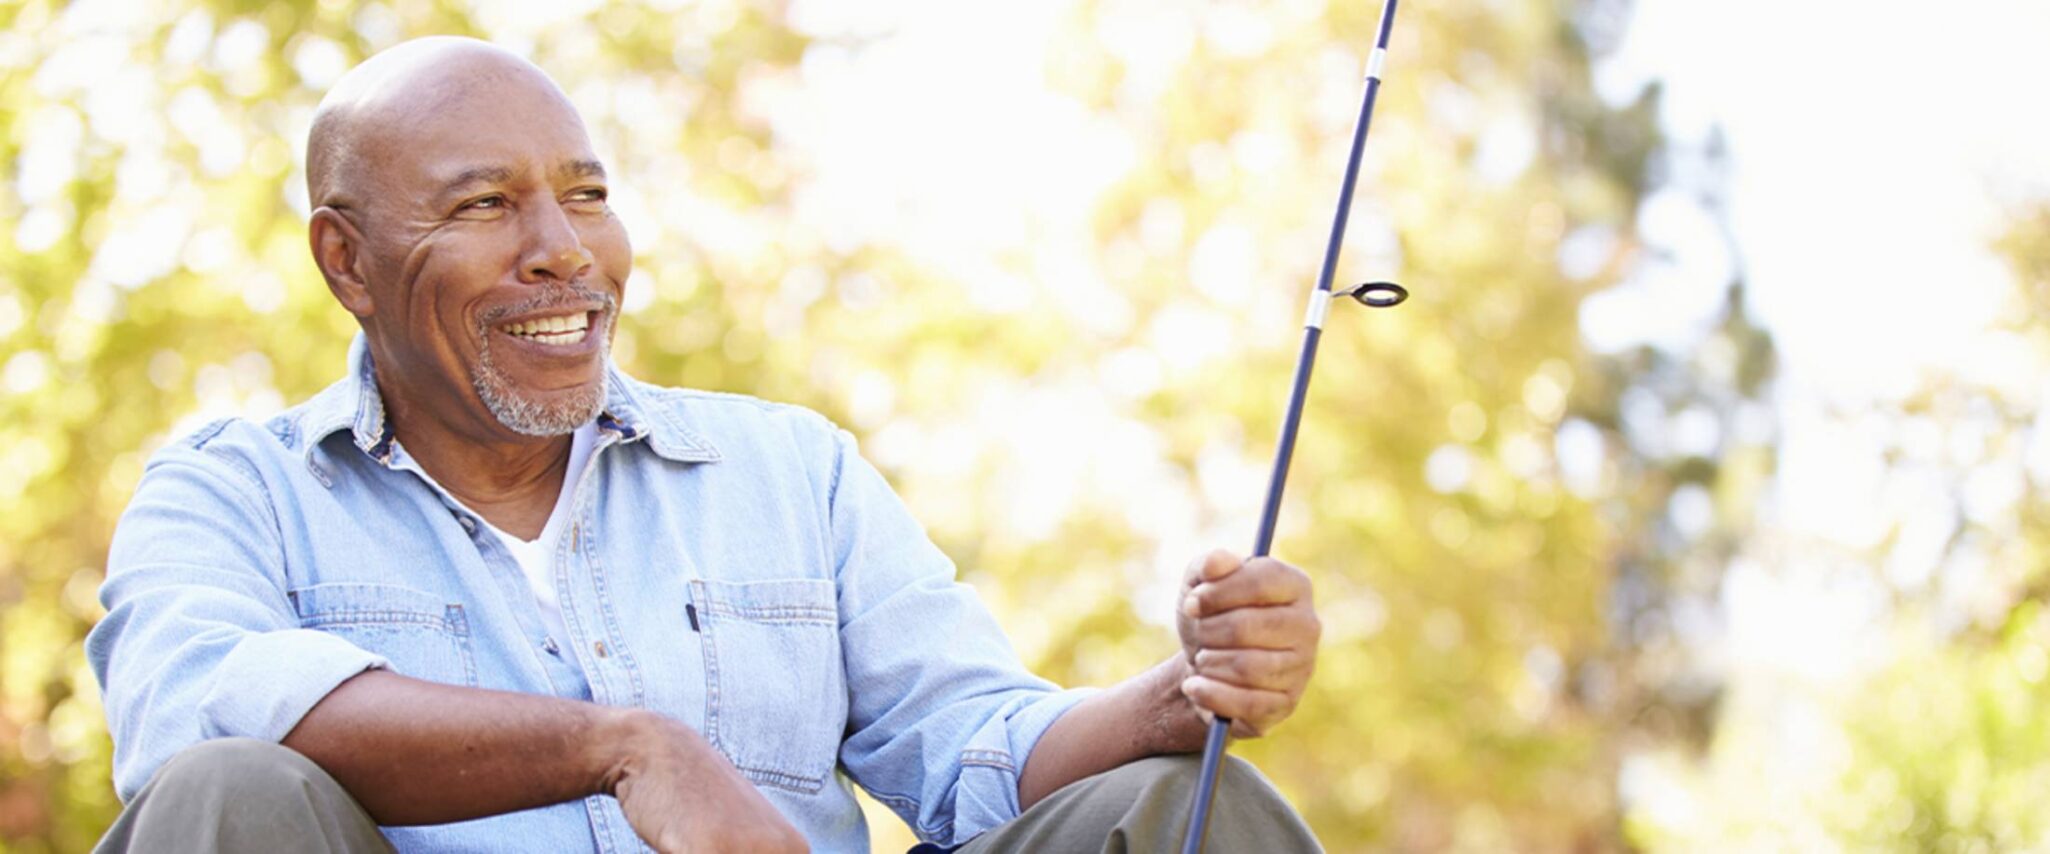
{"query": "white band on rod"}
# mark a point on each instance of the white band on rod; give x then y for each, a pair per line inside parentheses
(1375, 63)
(1320, 304)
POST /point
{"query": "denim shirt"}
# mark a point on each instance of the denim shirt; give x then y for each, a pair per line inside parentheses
(733, 564)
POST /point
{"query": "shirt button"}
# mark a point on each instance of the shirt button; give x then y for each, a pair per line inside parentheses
(599, 648)
(548, 643)
(468, 524)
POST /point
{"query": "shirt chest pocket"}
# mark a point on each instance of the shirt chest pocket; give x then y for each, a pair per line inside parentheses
(424, 635)
(776, 695)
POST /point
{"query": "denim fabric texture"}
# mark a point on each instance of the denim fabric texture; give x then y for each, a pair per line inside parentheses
(733, 564)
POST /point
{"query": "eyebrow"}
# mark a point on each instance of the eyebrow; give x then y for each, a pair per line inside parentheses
(503, 175)
(581, 169)
(476, 175)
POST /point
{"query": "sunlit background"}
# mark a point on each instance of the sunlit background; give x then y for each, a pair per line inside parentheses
(1694, 502)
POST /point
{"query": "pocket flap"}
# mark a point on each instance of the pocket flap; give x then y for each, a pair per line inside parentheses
(340, 603)
(792, 600)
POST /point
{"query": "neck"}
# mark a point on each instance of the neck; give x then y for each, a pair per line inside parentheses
(510, 479)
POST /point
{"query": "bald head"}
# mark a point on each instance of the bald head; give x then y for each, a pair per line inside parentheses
(378, 106)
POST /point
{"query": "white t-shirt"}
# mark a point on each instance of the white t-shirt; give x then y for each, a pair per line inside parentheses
(537, 557)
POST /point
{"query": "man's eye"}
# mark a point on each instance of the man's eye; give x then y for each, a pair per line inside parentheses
(593, 194)
(484, 204)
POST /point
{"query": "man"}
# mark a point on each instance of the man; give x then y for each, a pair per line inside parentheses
(490, 594)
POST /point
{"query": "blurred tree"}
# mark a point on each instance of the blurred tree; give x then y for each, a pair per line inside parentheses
(1700, 430)
(1501, 525)
(1951, 738)
(1934, 734)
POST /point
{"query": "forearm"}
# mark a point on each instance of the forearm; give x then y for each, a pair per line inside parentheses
(1145, 715)
(417, 752)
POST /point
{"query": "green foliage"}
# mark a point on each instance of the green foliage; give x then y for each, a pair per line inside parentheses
(1484, 606)
(1953, 746)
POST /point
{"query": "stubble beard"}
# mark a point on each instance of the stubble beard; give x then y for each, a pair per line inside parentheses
(523, 414)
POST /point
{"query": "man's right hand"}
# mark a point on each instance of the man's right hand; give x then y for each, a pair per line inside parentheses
(683, 797)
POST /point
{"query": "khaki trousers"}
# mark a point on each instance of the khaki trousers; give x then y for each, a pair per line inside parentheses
(1143, 806)
(242, 796)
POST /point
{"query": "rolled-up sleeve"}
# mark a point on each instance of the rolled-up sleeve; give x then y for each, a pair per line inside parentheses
(200, 639)
(942, 714)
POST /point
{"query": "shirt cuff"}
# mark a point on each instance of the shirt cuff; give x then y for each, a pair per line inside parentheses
(270, 680)
(988, 793)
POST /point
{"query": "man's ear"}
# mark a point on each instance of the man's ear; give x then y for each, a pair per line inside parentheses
(338, 251)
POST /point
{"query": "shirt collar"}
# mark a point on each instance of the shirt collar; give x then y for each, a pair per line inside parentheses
(354, 404)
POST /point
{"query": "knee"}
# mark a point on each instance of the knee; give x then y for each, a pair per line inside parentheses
(1168, 775)
(1154, 772)
(1153, 795)
(239, 768)
(1254, 805)
(1240, 777)
(1256, 813)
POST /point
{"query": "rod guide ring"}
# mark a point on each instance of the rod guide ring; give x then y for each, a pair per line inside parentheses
(1377, 294)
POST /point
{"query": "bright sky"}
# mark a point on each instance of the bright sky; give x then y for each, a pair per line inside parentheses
(1875, 147)
(1875, 143)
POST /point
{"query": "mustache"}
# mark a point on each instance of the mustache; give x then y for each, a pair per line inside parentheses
(572, 296)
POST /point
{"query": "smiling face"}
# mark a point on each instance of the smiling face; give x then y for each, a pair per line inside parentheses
(464, 221)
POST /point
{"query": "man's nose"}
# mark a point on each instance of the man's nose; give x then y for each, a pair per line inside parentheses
(554, 249)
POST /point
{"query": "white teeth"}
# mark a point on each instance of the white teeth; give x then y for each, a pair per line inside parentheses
(560, 329)
(570, 337)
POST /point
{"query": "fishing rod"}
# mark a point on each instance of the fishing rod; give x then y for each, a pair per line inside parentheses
(1370, 294)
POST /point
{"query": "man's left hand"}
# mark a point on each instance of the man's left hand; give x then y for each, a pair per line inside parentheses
(1249, 633)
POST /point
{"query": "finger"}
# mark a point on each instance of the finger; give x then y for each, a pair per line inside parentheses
(1263, 581)
(1286, 671)
(1252, 711)
(1210, 566)
(1270, 627)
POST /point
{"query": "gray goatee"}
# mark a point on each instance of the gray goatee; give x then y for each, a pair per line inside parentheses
(521, 413)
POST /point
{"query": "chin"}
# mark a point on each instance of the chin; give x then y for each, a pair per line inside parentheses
(530, 412)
